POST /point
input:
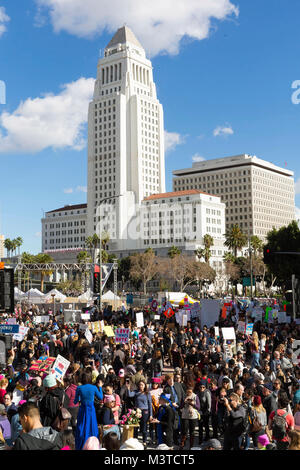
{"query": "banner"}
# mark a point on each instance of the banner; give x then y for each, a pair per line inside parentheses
(60, 367)
(249, 328)
(281, 317)
(156, 317)
(41, 319)
(11, 321)
(139, 319)
(9, 329)
(122, 335)
(72, 316)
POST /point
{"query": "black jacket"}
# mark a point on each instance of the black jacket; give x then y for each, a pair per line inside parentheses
(39, 439)
(180, 392)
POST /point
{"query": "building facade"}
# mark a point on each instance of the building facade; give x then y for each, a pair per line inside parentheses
(258, 195)
(64, 232)
(125, 139)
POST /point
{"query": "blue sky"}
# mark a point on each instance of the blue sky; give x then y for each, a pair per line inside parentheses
(230, 68)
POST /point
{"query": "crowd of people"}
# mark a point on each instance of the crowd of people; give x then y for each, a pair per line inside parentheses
(188, 386)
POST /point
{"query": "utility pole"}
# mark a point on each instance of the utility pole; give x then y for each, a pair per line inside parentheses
(251, 266)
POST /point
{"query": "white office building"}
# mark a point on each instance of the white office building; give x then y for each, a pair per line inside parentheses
(258, 195)
(64, 232)
(125, 140)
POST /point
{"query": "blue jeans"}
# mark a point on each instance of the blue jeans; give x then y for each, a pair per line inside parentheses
(255, 360)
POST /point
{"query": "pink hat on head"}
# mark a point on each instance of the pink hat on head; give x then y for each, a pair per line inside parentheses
(22, 402)
(156, 380)
(263, 440)
(109, 398)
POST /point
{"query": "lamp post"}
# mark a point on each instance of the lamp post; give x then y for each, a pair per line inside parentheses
(100, 254)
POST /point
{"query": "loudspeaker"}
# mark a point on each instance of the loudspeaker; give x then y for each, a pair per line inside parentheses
(7, 294)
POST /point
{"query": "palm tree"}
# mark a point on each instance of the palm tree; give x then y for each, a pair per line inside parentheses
(104, 239)
(174, 251)
(208, 243)
(83, 257)
(200, 253)
(43, 258)
(256, 245)
(27, 258)
(9, 246)
(19, 241)
(235, 239)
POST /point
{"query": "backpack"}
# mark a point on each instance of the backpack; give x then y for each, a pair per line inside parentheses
(176, 419)
(279, 426)
(255, 425)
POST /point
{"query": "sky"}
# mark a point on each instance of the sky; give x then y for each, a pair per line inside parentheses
(224, 71)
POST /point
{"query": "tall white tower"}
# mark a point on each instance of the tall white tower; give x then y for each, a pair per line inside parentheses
(125, 138)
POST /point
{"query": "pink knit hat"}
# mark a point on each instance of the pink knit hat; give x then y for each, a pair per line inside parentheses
(92, 444)
(263, 440)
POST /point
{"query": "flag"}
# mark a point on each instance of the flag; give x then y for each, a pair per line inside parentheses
(169, 313)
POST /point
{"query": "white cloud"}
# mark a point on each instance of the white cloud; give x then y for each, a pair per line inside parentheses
(197, 158)
(4, 18)
(172, 139)
(55, 121)
(81, 189)
(159, 25)
(223, 131)
(297, 186)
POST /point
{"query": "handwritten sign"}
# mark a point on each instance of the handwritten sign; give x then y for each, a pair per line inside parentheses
(60, 367)
(122, 335)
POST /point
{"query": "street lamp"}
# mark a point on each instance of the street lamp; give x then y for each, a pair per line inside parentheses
(100, 255)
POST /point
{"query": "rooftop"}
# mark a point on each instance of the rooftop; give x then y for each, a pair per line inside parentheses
(188, 192)
(122, 36)
(69, 208)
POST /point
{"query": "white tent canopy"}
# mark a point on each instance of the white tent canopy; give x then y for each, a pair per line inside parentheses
(18, 294)
(86, 296)
(58, 295)
(110, 296)
(34, 295)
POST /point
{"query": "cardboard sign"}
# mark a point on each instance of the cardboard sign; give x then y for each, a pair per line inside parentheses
(97, 326)
(228, 333)
(108, 331)
(139, 319)
(122, 335)
(60, 367)
(156, 317)
(154, 304)
(184, 320)
(43, 364)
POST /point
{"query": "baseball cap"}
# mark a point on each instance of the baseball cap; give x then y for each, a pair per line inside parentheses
(269, 387)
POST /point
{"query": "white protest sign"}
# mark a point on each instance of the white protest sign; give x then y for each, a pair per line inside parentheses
(60, 367)
(184, 320)
(217, 331)
(139, 319)
(88, 335)
(22, 333)
(85, 316)
(288, 319)
(11, 321)
(228, 333)
(156, 317)
(122, 335)
(42, 319)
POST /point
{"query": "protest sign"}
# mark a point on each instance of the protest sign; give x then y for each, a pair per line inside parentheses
(85, 316)
(184, 320)
(156, 317)
(72, 316)
(108, 331)
(41, 319)
(88, 335)
(169, 313)
(139, 319)
(281, 317)
(122, 335)
(60, 367)
(228, 333)
(22, 333)
(249, 328)
(43, 364)
(241, 327)
(210, 311)
(11, 321)
(288, 319)
(83, 327)
(217, 332)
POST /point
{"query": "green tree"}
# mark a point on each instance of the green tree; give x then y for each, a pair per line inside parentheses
(174, 251)
(284, 266)
(235, 239)
(208, 243)
(256, 245)
(8, 244)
